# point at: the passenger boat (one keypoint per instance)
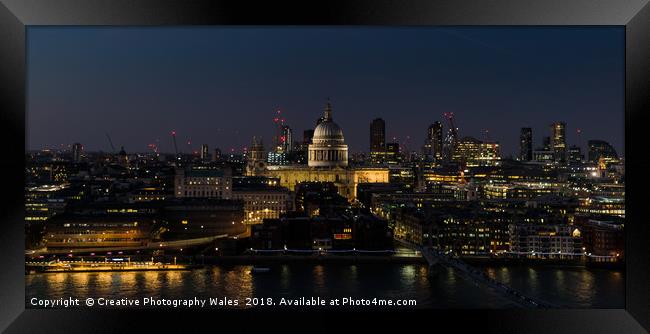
(260, 270)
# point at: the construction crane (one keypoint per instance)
(451, 140)
(110, 142)
(279, 125)
(452, 127)
(153, 147)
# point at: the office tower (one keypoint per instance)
(575, 154)
(286, 139)
(472, 152)
(76, 152)
(601, 149)
(204, 152)
(545, 153)
(434, 140)
(558, 141)
(526, 144)
(392, 155)
(216, 156)
(377, 140)
(377, 135)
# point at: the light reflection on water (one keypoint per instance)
(442, 288)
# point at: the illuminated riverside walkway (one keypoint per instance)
(154, 245)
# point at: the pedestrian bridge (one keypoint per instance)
(478, 276)
(435, 257)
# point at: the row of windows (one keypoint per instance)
(80, 232)
(260, 197)
(203, 193)
(327, 155)
(76, 240)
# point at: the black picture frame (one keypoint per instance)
(16, 15)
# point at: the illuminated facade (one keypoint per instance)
(148, 194)
(327, 162)
(558, 141)
(392, 154)
(263, 202)
(605, 206)
(516, 191)
(203, 183)
(602, 150)
(540, 240)
(345, 179)
(473, 152)
(286, 139)
(96, 234)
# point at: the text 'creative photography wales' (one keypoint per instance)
(325, 167)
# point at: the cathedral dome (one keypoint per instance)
(326, 131)
(328, 147)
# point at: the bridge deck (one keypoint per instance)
(434, 257)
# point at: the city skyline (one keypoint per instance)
(572, 75)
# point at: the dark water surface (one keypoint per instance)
(571, 287)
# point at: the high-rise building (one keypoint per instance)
(575, 154)
(601, 149)
(377, 140)
(472, 152)
(558, 141)
(77, 148)
(435, 137)
(377, 135)
(393, 156)
(432, 149)
(526, 144)
(544, 154)
(286, 139)
(216, 156)
(205, 154)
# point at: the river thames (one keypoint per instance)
(567, 287)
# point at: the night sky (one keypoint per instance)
(222, 85)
